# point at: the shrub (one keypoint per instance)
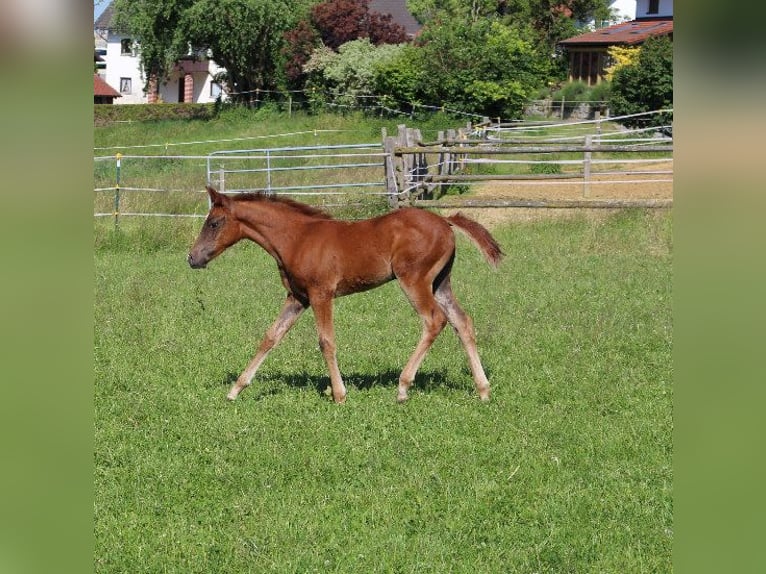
(646, 85)
(572, 92)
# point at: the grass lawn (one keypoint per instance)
(567, 469)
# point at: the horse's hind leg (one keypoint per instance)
(463, 324)
(421, 296)
(291, 310)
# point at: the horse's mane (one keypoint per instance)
(302, 208)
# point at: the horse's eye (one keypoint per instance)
(214, 223)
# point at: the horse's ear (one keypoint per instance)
(215, 197)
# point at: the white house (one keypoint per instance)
(623, 9)
(191, 80)
(654, 9)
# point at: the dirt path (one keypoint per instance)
(565, 189)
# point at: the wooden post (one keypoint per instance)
(440, 138)
(406, 163)
(389, 143)
(562, 107)
(586, 166)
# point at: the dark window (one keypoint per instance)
(654, 7)
(126, 46)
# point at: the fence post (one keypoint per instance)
(586, 166)
(390, 172)
(450, 160)
(118, 157)
(406, 163)
(597, 116)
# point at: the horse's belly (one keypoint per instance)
(365, 274)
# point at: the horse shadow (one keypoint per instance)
(428, 381)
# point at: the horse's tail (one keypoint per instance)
(480, 237)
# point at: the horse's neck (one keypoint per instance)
(271, 225)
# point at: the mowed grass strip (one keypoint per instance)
(567, 469)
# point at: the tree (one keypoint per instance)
(300, 42)
(486, 67)
(246, 38)
(620, 56)
(553, 20)
(348, 76)
(646, 85)
(153, 24)
(340, 21)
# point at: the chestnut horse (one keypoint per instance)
(320, 258)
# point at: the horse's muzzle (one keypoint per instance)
(193, 263)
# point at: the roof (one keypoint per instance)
(629, 33)
(101, 88)
(104, 21)
(397, 9)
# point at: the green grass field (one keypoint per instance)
(567, 469)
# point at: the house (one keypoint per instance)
(191, 80)
(103, 93)
(623, 9)
(399, 13)
(587, 52)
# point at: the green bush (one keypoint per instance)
(646, 85)
(572, 92)
(600, 92)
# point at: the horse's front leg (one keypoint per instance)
(291, 310)
(323, 314)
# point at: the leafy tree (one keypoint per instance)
(340, 21)
(154, 25)
(246, 38)
(398, 79)
(620, 56)
(484, 67)
(426, 11)
(300, 42)
(348, 76)
(646, 85)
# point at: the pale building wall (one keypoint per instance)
(121, 66)
(665, 9)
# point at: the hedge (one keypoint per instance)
(104, 114)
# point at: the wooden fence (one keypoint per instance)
(418, 173)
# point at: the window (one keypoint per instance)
(126, 86)
(654, 7)
(215, 89)
(126, 47)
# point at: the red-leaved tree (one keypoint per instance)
(340, 21)
(299, 43)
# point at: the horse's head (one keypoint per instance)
(220, 230)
